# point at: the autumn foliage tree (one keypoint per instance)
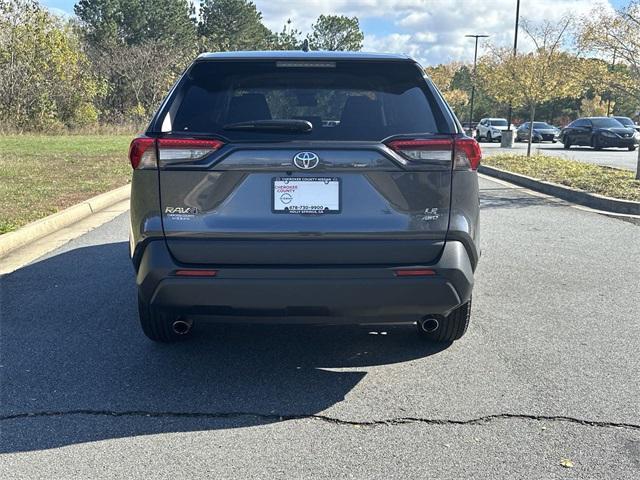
(529, 79)
(617, 35)
(443, 76)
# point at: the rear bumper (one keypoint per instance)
(306, 294)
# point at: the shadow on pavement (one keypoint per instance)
(71, 341)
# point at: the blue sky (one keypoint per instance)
(433, 31)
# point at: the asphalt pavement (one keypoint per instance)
(546, 375)
(609, 157)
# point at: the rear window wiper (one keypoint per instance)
(292, 125)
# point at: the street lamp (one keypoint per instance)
(515, 51)
(473, 83)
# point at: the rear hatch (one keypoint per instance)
(305, 163)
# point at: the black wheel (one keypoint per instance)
(161, 327)
(566, 143)
(594, 143)
(632, 148)
(449, 328)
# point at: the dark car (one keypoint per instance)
(598, 133)
(304, 187)
(627, 122)
(542, 132)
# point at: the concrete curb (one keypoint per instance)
(45, 226)
(591, 200)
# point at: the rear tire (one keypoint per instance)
(452, 327)
(157, 326)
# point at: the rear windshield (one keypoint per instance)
(342, 100)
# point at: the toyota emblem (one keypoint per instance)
(306, 160)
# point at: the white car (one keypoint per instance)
(490, 129)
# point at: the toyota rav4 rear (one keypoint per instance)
(304, 187)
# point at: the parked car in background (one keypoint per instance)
(598, 133)
(292, 187)
(490, 129)
(627, 122)
(542, 132)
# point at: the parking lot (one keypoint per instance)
(609, 157)
(546, 374)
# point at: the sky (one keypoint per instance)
(431, 31)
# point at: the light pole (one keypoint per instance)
(515, 51)
(473, 82)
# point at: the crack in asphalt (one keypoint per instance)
(336, 421)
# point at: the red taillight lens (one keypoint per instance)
(195, 273)
(467, 154)
(142, 153)
(423, 152)
(414, 272)
(438, 151)
(177, 150)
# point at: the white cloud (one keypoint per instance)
(432, 31)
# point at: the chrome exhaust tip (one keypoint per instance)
(429, 324)
(182, 326)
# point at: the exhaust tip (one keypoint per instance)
(429, 324)
(182, 326)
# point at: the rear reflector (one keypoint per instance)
(142, 152)
(414, 272)
(195, 273)
(437, 151)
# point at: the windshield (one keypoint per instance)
(541, 125)
(498, 123)
(606, 123)
(627, 122)
(342, 101)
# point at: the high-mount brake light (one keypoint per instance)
(142, 152)
(466, 151)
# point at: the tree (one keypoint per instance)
(139, 47)
(593, 107)
(288, 39)
(617, 35)
(529, 79)
(443, 76)
(232, 25)
(336, 33)
(45, 78)
(132, 22)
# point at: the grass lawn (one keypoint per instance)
(41, 174)
(605, 181)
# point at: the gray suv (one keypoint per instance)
(304, 187)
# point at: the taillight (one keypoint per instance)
(424, 152)
(467, 154)
(439, 151)
(142, 152)
(177, 150)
